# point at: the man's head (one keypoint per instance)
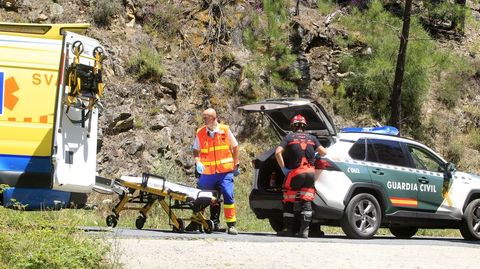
(298, 122)
(209, 117)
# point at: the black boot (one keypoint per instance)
(288, 224)
(215, 217)
(306, 218)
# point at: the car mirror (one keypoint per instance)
(451, 167)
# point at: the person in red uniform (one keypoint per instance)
(296, 156)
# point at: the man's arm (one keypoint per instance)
(321, 150)
(234, 148)
(196, 155)
(279, 156)
(236, 161)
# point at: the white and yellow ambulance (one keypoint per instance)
(50, 83)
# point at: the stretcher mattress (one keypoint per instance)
(161, 184)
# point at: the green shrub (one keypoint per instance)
(147, 64)
(445, 11)
(159, 17)
(473, 138)
(454, 151)
(326, 6)
(104, 10)
(43, 240)
(455, 80)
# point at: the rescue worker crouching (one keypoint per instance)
(216, 160)
(296, 156)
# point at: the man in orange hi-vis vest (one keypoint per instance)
(216, 160)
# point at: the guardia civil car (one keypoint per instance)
(372, 178)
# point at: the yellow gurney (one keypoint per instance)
(151, 188)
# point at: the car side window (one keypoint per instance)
(389, 152)
(357, 151)
(424, 160)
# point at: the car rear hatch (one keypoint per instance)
(280, 111)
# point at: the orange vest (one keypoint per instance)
(215, 153)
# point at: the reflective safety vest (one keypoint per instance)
(215, 153)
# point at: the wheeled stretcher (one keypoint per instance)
(150, 188)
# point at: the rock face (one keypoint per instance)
(147, 124)
(150, 124)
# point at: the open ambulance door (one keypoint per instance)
(76, 114)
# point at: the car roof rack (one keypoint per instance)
(387, 130)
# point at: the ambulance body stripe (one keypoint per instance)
(19, 163)
(41, 119)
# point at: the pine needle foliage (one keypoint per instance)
(268, 38)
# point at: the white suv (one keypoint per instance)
(373, 180)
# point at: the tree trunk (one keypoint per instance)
(396, 97)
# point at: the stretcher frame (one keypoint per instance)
(141, 193)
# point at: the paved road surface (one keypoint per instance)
(163, 249)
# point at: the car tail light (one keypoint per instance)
(325, 164)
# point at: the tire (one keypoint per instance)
(362, 217)
(112, 221)
(181, 229)
(140, 222)
(403, 232)
(208, 229)
(276, 224)
(470, 228)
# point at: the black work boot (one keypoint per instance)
(306, 218)
(215, 217)
(288, 224)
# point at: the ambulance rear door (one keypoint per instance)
(75, 134)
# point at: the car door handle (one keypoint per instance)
(423, 180)
(378, 172)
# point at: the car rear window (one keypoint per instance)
(389, 152)
(283, 116)
(357, 151)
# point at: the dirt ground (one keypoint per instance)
(206, 253)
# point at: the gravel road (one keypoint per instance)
(321, 253)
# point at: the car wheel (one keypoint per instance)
(470, 228)
(362, 217)
(276, 223)
(403, 232)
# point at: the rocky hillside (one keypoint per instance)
(196, 58)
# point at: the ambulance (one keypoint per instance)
(50, 86)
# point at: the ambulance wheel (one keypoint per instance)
(403, 232)
(181, 228)
(112, 221)
(470, 228)
(208, 229)
(140, 221)
(362, 217)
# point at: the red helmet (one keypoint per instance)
(298, 120)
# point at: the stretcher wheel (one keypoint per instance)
(182, 227)
(208, 229)
(140, 221)
(112, 221)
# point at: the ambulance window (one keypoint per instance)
(357, 151)
(389, 152)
